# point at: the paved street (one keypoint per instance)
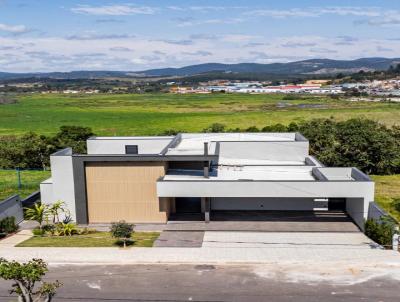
(220, 283)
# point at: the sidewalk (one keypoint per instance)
(219, 248)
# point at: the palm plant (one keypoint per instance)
(55, 209)
(38, 213)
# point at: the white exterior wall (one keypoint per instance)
(46, 191)
(63, 182)
(357, 208)
(273, 151)
(267, 204)
(110, 145)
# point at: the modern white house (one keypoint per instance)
(147, 179)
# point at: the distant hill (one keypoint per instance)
(314, 66)
(307, 67)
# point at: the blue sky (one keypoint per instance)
(52, 35)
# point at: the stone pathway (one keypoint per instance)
(16, 238)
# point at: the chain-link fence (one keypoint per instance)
(19, 181)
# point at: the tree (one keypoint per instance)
(39, 212)
(74, 137)
(122, 231)
(25, 276)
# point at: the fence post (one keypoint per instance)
(19, 178)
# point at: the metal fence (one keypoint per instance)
(21, 181)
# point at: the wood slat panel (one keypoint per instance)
(125, 191)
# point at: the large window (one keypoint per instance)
(131, 149)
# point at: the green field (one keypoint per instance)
(387, 189)
(149, 114)
(98, 239)
(30, 181)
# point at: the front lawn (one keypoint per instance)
(387, 189)
(98, 239)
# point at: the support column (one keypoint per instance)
(207, 210)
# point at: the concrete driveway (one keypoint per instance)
(279, 240)
(265, 221)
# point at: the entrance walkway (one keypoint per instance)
(264, 221)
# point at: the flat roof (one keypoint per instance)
(129, 137)
(246, 173)
(193, 143)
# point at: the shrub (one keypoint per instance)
(215, 128)
(38, 232)
(122, 231)
(8, 225)
(381, 231)
(65, 229)
(396, 204)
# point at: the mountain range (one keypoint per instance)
(306, 67)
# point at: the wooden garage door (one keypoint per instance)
(125, 191)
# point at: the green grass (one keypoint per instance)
(387, 188)
(149, 114)
(30, 181)
(98, 239)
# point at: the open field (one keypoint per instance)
(98, 239)
(149, 114)
(30, 181)
(387, 189)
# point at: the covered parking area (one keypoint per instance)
(278, 205)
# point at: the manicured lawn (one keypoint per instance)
(30, 181)
(387, 188)
(151, 114)
(98, 239)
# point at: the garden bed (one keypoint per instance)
(97, 239)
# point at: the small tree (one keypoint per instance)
(38, 213)
(56, 209)
(121, 230)
(25, 276)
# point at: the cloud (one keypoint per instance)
(121, 49)
(87, 37)
(383, 49)
(316, 12)
(201, 53)
(178, 42)
(190, 21)
(238, 38)
(203, 37)
(113, 10)
(323, 50)
(255, 44)
(203, 9)
(258, 55)
(293, 44)
(15, 29)
(109, 21)
(388, 19)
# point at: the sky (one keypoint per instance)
(53, 35)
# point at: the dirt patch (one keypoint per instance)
(5, 100)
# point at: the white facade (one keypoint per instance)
(248, 171)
